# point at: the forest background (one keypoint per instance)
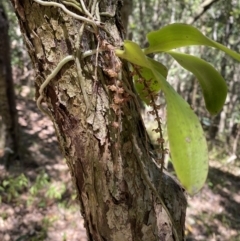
(25, 214)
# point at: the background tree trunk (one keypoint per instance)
(8, 112)
(125, 13)
(101, 134)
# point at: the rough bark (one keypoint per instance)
(8, 110)
(106, 152)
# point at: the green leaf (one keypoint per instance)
(188, 145)
(149, 79)
(187, 142)
(179, 35)
(152, 83)
(162, 70)
(213, 85)
(133, 53)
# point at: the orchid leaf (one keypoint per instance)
(188, 145)
(180, 35)
(133, 53)
(153, 84)
(147, 78)
(213, 85)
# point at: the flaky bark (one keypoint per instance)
(8, 110)
(100, 131)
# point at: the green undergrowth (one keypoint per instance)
(12, 188)
(40, 191)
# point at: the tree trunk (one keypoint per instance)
(121, 191)
(8, 110)
(125, 13)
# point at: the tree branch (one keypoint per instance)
(201, 10)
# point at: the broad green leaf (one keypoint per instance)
(188, 145)
(150, 80)
(179, 35)
(133, 53)
(152, 83)
(213, 85)
(162, 70)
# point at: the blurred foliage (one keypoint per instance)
(41, 191)
(12, 187)
(36, 191)
(21, 64)
(15, 35)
